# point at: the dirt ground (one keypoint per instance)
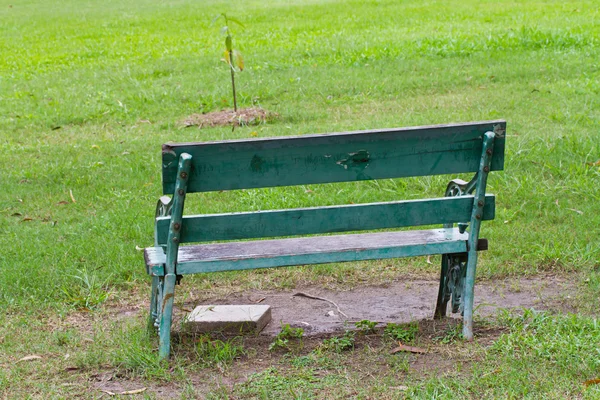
(398, 302)
(244, 116)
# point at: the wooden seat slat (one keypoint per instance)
(311, 250)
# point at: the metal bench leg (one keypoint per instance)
(168, 292)
(153, 304)
(478, 204)
(443, 292)
(469, 294)
(164, 329)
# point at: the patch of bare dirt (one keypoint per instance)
(111, 385)
(244, 116)
(398, 302)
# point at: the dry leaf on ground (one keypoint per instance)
(127, 392)
(136, 391)
(409, 349)
(30, 358)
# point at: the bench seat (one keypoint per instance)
(308, 250)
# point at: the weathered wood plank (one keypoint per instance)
(312, 250)
(339, 157)
(306, 221)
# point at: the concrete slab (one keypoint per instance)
(228, 318)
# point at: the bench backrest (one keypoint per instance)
(337, 157)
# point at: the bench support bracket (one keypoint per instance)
(452, 281)
(457, 278)
(478, 203)
(163, 209)
(163, 287)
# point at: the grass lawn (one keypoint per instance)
(89, 91)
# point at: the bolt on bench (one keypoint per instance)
(312, 159)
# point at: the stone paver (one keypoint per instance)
(228, 318)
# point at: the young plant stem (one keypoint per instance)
(233, 80)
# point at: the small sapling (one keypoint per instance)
(231, 56)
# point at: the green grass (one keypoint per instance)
(282, 339)
(540, 356)
(89, 91)
(543, 356)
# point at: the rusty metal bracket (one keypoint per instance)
(456, 188)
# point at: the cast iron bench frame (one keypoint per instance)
(313, 159)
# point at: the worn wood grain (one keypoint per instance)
(311, 250)
(339, 157)
(316, 220)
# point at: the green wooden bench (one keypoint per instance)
(312, 159)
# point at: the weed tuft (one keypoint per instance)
(64, 338)
(282, 340)
(133, 352)
(451, 335)
(217, 353)
(365, 326)
(87, 292)
(339, 343)
(404, 333)
(302, 361)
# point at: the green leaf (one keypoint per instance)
(236, 22)
(228, 43)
